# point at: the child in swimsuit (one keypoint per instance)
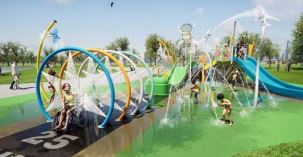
(226, 115)
(234, 78)
(195, 91)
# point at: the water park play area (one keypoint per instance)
(196, 102)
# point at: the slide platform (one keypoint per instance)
(273, 84)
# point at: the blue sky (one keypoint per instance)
(92, 23)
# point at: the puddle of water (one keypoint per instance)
(19, 112)
(195, 132)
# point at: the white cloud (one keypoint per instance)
(282, 9)
(199, 11)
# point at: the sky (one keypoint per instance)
(93, 23)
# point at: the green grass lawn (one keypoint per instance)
(294, 76)
(29, 75)
(284, 149)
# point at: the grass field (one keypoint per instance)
(284, 149)
(294, 76)
(29, 75)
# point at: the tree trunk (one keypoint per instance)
(7, 63)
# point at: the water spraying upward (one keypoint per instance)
(262, 16)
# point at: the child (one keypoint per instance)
(227, 108)
(51, 88)
(69, 104)
(234, 78)
(195, 91)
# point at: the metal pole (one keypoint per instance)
(233, 47)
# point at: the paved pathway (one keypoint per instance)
(25, 89)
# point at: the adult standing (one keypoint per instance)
(15, 74)
(278, 65)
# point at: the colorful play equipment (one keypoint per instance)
(39, 74)
(181, 67)
(121, 68)
(102, 66)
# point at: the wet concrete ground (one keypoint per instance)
(36, 138)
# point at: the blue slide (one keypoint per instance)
(272, 84)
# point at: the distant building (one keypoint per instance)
(285, 55)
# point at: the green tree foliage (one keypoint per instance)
(61, 59)
(268, 49)
(30, 57)
(152, 45)
(297, 43)
(135, 52)
(225, 40)
(246, 38)
(14, 51)
(47, 51)
(121, 44)
(22, 55)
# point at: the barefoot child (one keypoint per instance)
(234, 78)
(227, 108)
(69, 104)
(195, 91)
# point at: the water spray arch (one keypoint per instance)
(119, 53)
(122, 69)
(95, 58)
(149, 74)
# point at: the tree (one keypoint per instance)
(47, 51)
(297, 42)
(122, 43)
(269, 50)
(225, 40)
(135, 52)
(14, 48)
(30, 56)
(152, 45)
(22, 55)
(249, 38)
(10, 51)
(246, 38)
(112, 46)
(61, 59)
(1, 57)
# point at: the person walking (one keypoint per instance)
(15, 73)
